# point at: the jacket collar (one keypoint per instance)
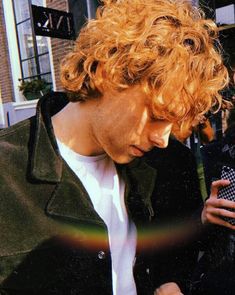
(140, 180)
(47, 165)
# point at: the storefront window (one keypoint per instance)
(42, 44)
(33, 50)
(21, 10)
(29, 67)
(24, 31)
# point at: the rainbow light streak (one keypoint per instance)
(92, 238)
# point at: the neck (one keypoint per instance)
(72, 126)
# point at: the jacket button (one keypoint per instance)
(101, 255)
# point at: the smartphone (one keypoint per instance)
(228, 192)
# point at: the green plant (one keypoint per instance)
(34, 88)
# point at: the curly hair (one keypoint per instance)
(166, 46)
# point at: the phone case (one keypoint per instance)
(228, 192)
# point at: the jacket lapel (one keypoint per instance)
(45, 161)
(69, 199)
(140, 179)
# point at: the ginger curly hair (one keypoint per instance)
(166, 46)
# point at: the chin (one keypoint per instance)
(123, 159)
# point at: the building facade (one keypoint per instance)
(26, 56)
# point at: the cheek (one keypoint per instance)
(141, 123)
(121, 136)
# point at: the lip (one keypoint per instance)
(136, 151)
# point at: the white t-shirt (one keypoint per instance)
(106, 190)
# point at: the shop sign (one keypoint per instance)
(53, 23)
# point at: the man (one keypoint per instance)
(75, 193)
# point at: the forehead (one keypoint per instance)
(133, 95)
(138, 97)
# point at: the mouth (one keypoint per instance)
(137, 151)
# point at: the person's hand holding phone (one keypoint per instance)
(216, 209)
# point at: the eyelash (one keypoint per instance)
(154, 119)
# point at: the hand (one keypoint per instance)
(168, 289)
(214, 209)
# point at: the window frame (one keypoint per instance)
(36, 54)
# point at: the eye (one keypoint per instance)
(156, 118)
(152, 118)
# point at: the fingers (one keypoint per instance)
(217, 220)
(223, 213)
(215, 209)
(215, 186)
(168, 289)
(219, 203)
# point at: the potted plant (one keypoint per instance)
(35, 88)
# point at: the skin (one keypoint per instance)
(214, 208)
(170, 288)
(120, 124)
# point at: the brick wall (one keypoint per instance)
(6, 87)
(60, 47)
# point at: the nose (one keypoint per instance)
(159, 136)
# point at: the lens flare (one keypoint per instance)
(148, 238)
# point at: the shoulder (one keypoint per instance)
(14, 140)
(9, 132)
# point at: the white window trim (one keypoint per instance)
(13, 49)
(14, 54)
(51, 57)
(28, 104)
(2, 119)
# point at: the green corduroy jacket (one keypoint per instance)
(52, 241)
